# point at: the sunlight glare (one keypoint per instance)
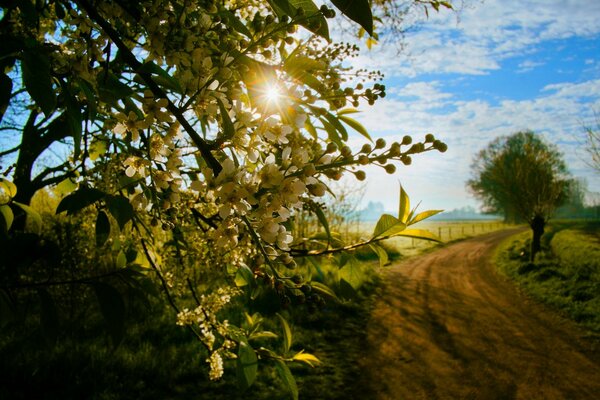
(273, 94)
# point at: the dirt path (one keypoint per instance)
(449, 327)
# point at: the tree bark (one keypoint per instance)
(537, 226)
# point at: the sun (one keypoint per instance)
(273, 94)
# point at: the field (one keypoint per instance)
(565, 275)
(447, 231)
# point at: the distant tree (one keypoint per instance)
(522, 177)
(592, 144)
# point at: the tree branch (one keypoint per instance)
(136, 65)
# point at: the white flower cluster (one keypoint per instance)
(204, 317)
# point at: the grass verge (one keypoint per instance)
(565, 275)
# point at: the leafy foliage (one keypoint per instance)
(523, 177)
(200, 130)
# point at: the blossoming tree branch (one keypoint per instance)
(196, 131)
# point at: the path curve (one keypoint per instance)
(447, 326)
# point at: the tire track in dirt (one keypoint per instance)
(447, 326)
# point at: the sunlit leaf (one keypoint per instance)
(8, 216)
(287, 333)
(381, 254)
(388, 225)
(404, 208)
(419, 234)
(244, 276)
(8, 187)
(247, 365)
(423, 215)
(233, 21)
(121, 261)
(286, 376)
(332, 133)
(333, 120)
(262, 335)
(112, 308)
(34, 219)
(346, 111)
(310, 128)
(357, 126)
(307, 358)
(352, 273)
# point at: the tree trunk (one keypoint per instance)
(537, 226)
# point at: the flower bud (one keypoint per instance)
(331, 147)
(360, 175)
(366, 149)
(380, 143)
(390, 168)
(363, 159)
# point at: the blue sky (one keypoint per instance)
(491, 69)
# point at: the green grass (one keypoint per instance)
(565, 275)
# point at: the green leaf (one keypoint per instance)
(332, 133)
(333, 120)
(162, 77)
(235, 23)
(288, 379)
(323, 220)
(111, 89)
(247, 365)
(120, 208)
(313, 20)
(419, 234)
(323, 289)
(112, 308)
(5, 92)
(263, 335)
(424, 215)
(307, 358)
(8, 216)
(121, 261)
(381, 254)
(48, 315)
(345, 111)
(244, 276)
(388, 225)
(358, 11)
(90, 97)
(287, 333)
(33, 217)
(310, 128)
(79, 199)
(9, 188)
(35, 67)
(404, 208)
(352, 273)
(102, 228)
(228, 127)
(74, 120)
(357, 126)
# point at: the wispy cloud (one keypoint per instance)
(558, 113)
(484, 34)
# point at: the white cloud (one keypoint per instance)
(558, 113)
(485, 34)
(528, 65)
